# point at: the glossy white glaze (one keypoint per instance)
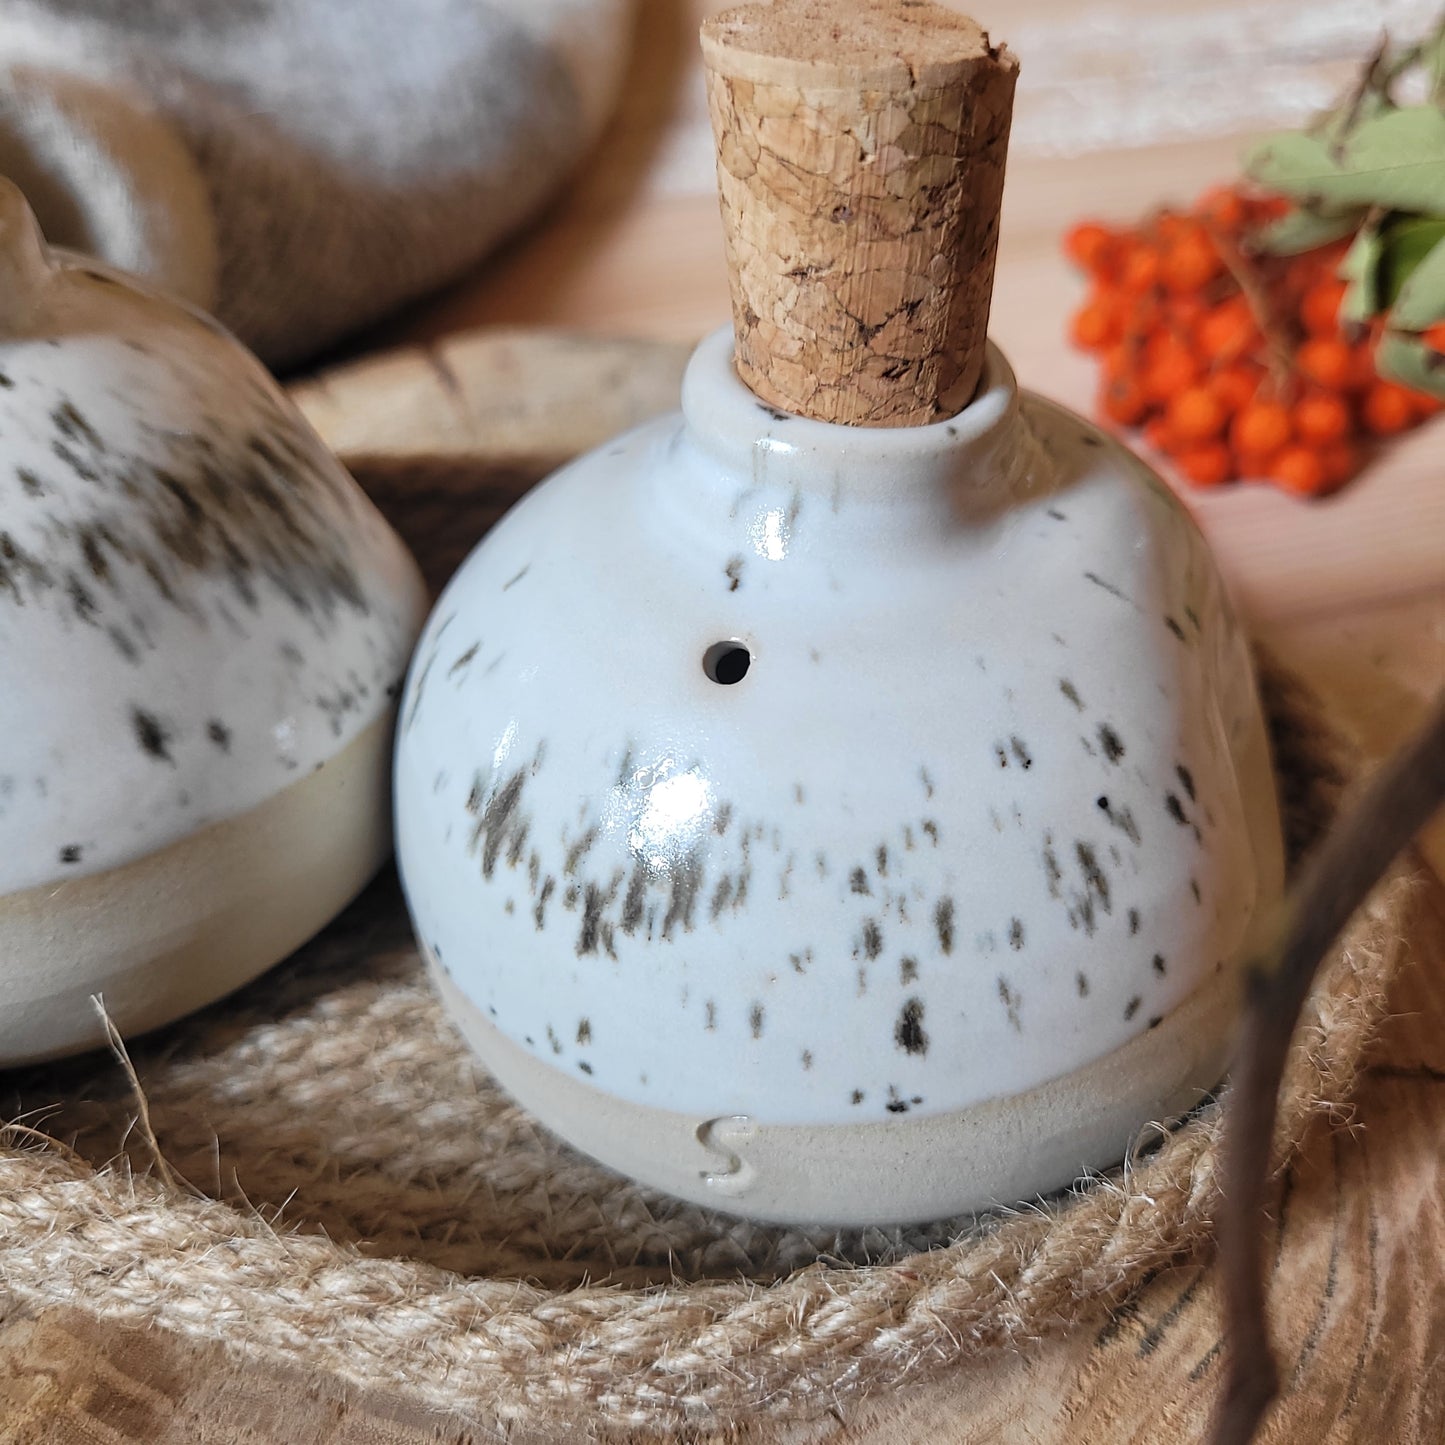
(992, 799)
(198, 607)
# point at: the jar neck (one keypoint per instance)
(980, 460)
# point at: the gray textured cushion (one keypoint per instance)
(299, 167)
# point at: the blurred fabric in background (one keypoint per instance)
(300, 167)
(1107, 74)
(304, 167)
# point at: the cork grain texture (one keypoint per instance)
(861, 153)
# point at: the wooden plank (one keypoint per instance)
(503, 396)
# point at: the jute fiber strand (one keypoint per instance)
(322, 1176)
(861, 154)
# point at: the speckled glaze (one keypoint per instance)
(198, 609)
(992, 801)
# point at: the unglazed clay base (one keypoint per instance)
(180, 927)
(903, 1171)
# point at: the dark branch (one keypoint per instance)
(1399, 801)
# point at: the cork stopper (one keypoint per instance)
(861, 148)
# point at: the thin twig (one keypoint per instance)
(118, 1048)
(1399, 801)
(46, 1141)
(1360, 90)
(1281, 364)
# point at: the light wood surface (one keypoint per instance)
(1351, 592)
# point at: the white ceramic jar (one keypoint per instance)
(203, 629)
(836, 824)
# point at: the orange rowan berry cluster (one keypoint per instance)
(1233, 363)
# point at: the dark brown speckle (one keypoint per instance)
(1111, 743)
(1095, 880)
(908, 1032)
(1108, 587)
(943, 923)
(1010, 1000)
(153, 737)
(462, 662)
(1052, 871)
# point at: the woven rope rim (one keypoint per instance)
(137, 1247)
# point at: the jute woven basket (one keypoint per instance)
(315, 1171)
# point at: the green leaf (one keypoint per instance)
(1336, 125)
(1298, 165)
(1419, 298)
(1303, 229)
(1363, 257)
(1409, 361)
(1433, 55)
(1361, 268)
(1397, 161)
(1394, 160)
